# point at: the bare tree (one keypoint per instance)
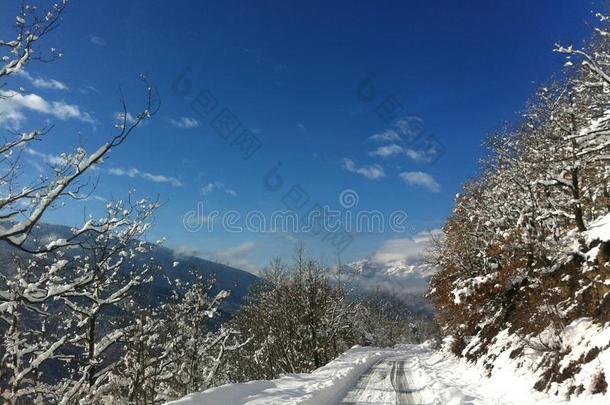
(47, 273)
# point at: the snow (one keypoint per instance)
(472, 284)
(576, 341)
(325, 385)
(599, 229)
(370, 375)
(582, 336)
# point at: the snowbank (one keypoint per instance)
(442, 378)
(325, 385)
(578, 341)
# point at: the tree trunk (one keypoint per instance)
(578, 215)
(91, 354)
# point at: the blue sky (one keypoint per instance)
(292, 74)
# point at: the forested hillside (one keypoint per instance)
(525, 272)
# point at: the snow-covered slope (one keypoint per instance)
(585, 353)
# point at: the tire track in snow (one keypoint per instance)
(369, 387)
(387, 382)
(404, 384)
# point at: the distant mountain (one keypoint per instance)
(227, 278)
(405, 279)
(417, 274)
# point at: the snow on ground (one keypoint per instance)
(325, 385)
(404, 375)
(599, 229)
(577, 341)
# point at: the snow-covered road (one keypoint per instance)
(388, 381)
(408, 374)
(393, 380)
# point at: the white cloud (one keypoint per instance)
(53, 160)
(64, 111)
(88, 90)
(371, 172)
(99, 41)
(404, 129)
(389, 135)
(417, 155)
(12, 117)
(43, 83)
(421, 179)
(13, 104)
(403, 133)
(49, 84)
(184, 122)
(387, 150)
(156, 178)
(408, 250)
(217, 186)
(237, 256)
(208, 189)
(238, 250)
(410, 127)
(301, 127)
(184, 251)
